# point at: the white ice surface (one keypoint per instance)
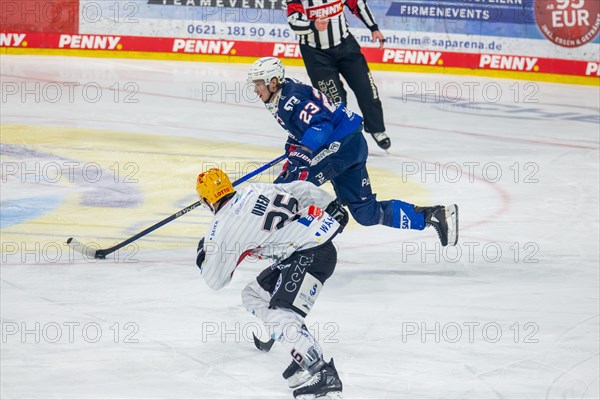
(401, 318)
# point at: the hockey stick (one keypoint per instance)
(263, 346)
(102, 253)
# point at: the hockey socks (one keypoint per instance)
(401, 215)
(304, 349)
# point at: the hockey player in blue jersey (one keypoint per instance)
(325, 143)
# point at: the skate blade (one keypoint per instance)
(330, 395)
(452, 221)
(294, 382)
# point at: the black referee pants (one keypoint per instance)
(324, 68)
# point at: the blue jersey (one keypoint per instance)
(310, 118)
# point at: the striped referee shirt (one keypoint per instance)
(303, 13)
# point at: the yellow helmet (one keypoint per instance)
(212, 186)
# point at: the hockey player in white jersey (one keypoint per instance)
(292, 224)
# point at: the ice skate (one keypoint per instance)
(295, 375)
(382, 140)
(444, 220)
(325, 383)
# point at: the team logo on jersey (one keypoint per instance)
(289, 105)
(306, 221)
(328, 10)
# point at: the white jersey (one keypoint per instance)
(268, 221)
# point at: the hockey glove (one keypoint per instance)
(284, 170)
(299, 162)
(296, 168)
(290, 147)
(338, 212)
(283, 175)
(201, 254)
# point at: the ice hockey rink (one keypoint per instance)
(100, 149)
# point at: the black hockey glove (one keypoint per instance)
(201, 254)
(337, 211)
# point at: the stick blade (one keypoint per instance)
(263, 346)
(79, 247)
